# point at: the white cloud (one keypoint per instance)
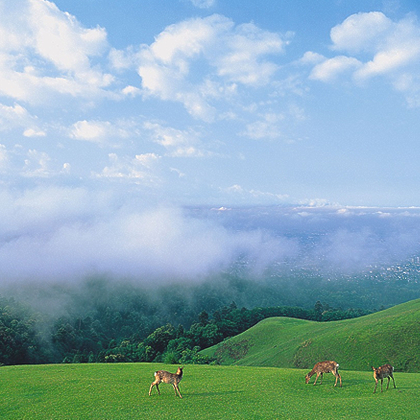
(409, 85)
(392, 59)
(101, 131)
(361, 32)
(333, 67)
(66, 168)
(225, 54)
(242, 60)
(4, 158)
(203, 4)
(18, 164)
(143, 168)
(44, 51)
(94, 131)
(178, 143)
(30, 132)
(37, 164)
(131, 91)
(41, 208)
(273, 124)
(268, 127)
(18, 117)
(60, 39)
(238, 193)
(69, 233)
(376, 46)
(47, 225)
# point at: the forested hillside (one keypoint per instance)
(106, 323)
(103, 320)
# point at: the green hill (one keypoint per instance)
(389, 336)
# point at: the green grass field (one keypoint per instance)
(389, 336)
(264, 387)
(120, 391)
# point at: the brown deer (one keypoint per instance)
(385, 371)
(169, 378)
(324, 367)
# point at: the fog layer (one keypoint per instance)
(68, 233)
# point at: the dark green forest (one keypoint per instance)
(102, 320)
(111, 334)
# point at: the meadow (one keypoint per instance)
(389, 336)
(263, 377)
(120, 391)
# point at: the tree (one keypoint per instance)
(160, 338)
(203, 318)
(318, 309)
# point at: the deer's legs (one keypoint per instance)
(151, 387)
(337, 377)
(177, 390)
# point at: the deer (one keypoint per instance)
(168, 378)
(324, 367)
(385, 371)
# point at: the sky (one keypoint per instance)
(116, 115)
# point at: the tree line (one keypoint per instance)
(132, 332)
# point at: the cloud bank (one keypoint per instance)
(67, 234)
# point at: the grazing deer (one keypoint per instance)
(385, 371)
(324, 367)
(169, 378)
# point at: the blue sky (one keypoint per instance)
(213, 102)
(108, 107)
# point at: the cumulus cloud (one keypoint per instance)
(30, 132)
(17, 116)
(166, 67)
(143, 168)
(37, 164)
(361, 32)
(387, 61)
(178, 143)
(101, 132)
(18, 163)
(331, 68)
(375, 46)
(44, 50)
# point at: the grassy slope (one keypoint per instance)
(120, 391)
(390, 336)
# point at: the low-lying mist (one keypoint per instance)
(54, 239)
(66, 234)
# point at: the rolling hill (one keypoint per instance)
(389, 336)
